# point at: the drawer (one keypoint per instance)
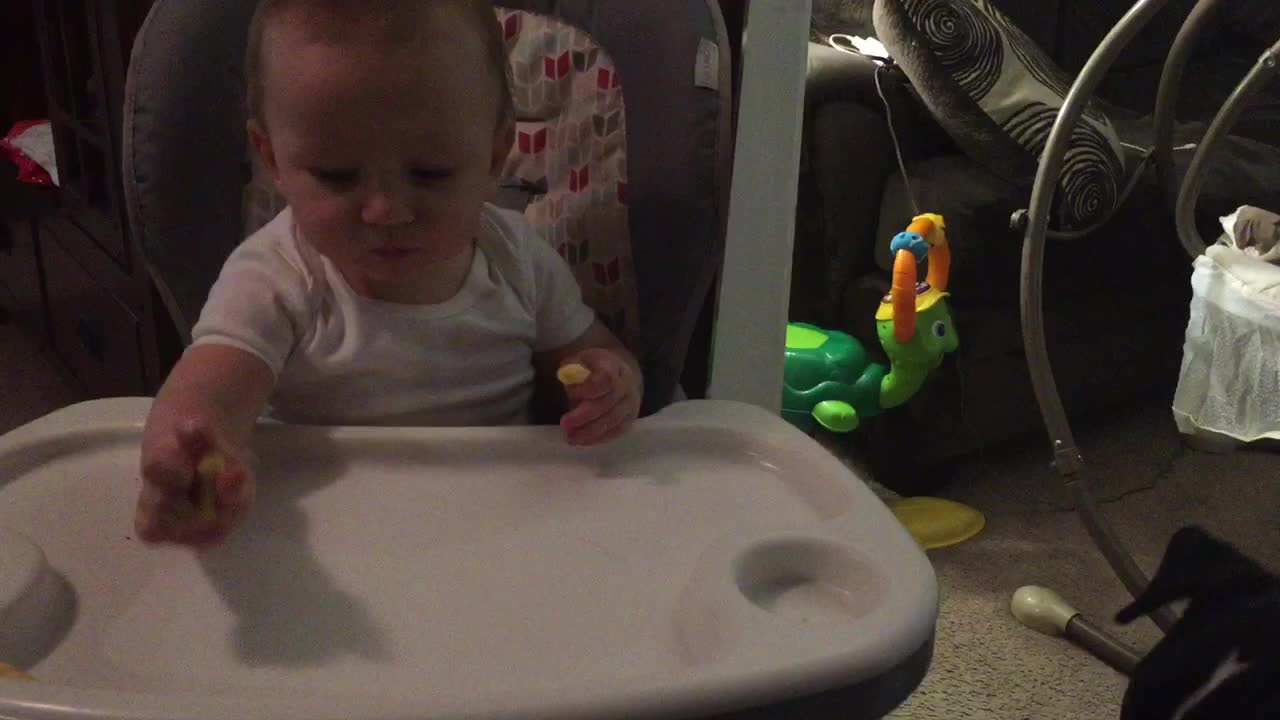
(23, 293)
(88, 199)
(85, 246)
(96, 335)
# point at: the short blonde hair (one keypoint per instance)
(400, 20)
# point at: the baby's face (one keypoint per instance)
(384, 153)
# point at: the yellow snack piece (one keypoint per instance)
(207, 472)
(572, 374)
(9, 671)
(211, 466)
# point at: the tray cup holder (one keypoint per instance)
(808, 580)
(37, 605)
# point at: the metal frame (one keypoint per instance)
(1066, 456)
(1259, 75)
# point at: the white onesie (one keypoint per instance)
(340, 358)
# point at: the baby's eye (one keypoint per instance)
(339, 178)
(430, 176)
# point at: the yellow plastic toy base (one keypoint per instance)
(936, 522)
(9, 671)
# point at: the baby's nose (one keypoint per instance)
(383, 208)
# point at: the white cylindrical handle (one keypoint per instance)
(1041, 609)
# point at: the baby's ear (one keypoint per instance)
(261, 143)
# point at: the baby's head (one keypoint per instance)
(384, 123)
(393, 22)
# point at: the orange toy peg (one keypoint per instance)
(904, 296)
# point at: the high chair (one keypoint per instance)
(714, 562)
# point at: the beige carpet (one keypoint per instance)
(987, 665)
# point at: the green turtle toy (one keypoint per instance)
(830, 381)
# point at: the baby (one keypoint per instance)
(389, 291)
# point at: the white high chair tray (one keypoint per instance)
(714, 559)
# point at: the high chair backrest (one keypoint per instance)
(621, 158)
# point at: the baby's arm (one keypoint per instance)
(601, 407)
(604, 406)
(208, 404)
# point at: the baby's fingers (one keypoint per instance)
(188, 527)
(192, 502)
(600, 421)
(163, 501)
(195, 440)
(597, 387)
(159, 514)
(235, 495)
(585, 411)
(222, 498)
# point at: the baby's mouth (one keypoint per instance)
(394, 252)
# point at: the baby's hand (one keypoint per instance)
(176, 503)
(602, 406)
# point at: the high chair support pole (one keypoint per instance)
(749, 336)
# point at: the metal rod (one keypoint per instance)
(1193, 183)
(1066, 455)
(1038, 223)
(1107, 648)
(1166, 113)
(1109, 544)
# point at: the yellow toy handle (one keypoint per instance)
(932, 228)
(939, 266)
(921, 225)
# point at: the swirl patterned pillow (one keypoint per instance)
(997, 94)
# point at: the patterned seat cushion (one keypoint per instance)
(571, 149)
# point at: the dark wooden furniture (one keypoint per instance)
(23, 98)
(99, 308)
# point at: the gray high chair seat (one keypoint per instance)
(186, 164)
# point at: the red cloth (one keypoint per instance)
(28, 170)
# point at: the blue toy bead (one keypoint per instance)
(910, 241)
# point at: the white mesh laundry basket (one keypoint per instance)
(1230, 380)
